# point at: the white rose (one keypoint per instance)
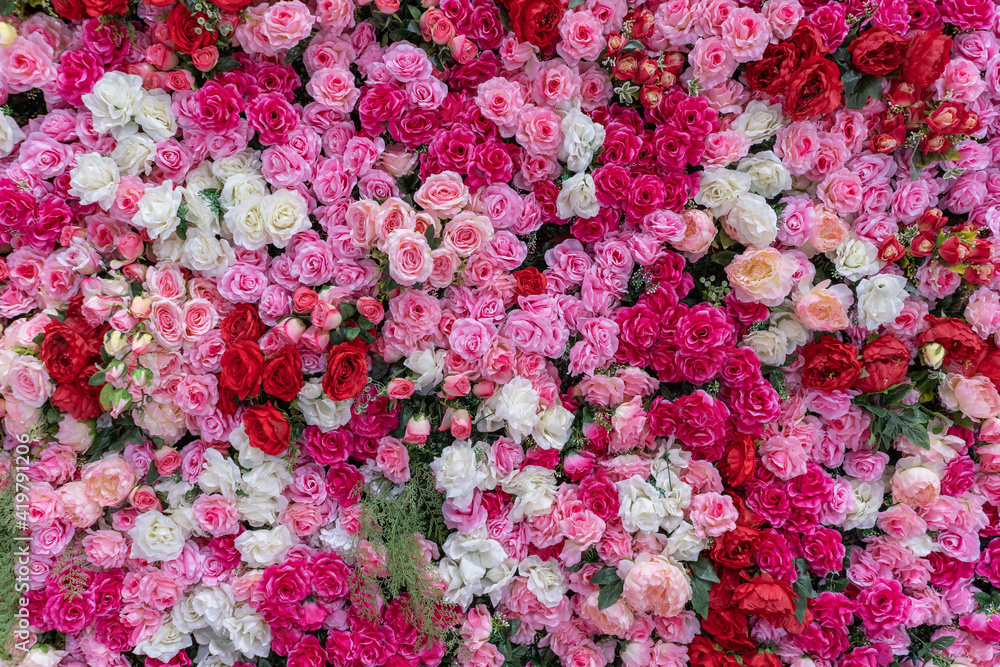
(94, 180)
(683, 544)
(868, 497)
(76, 434)
(201, 178)
(880, 299)
(719, 188)
(581, 139)
(319, 410)
(534, 491)
(676, 497)
(240, 187)
(206, 253)
(42, 656)
(470, 559)
(219, 474)
(245, 162)
(335, 538)
(114, 100)
(769, 345)
(158, 210)
(768, 176)
(260, 548)
(428, 369)
(214, 604)
(245, 223)
(752, 221)
(795, 333)
(457, 473)
(165, 643)
(578, 197)
(260, 510)
(10, 135)
(249, 633)
(285, 214)
(518, 407)
(553, 428)
(270, 478)
(156, 537)
(642, 506)
(154, 116)
(200, 213)
(545, 580)
(497, 578)
(856, 258)
(169, 249)
(174, 491)
(759, 121)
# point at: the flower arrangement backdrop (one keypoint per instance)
(491, 333)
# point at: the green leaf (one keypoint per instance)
(702, 569)
(97, 379)
(105, 397)
(226, 63)
(865, 87)
(803, 589)
(700, 594)
(573, 4)
(515, 625)
(609, 594)
(605, 576)
(414, 12)
(941, 643)
(724, 258)
(351, 332)
(152, 474)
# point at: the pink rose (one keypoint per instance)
(393, 460)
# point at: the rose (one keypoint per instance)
(242, 366)
(926, 58)
(530, 281)
(886, 359)
(97, 8)
(186, 32)
(69, 9)
(283, 374)
(878, 52)
(964, 349)
(243, 323)
(63, 351)
(536, 21)
(769, 598)
(830, 365)
(346, 371)
(267, 429)
(815, 89)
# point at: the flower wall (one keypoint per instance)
(490, 333)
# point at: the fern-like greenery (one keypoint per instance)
(390, 526)
(9, 596)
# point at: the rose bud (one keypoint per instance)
(884, 143)
(205, 58)
(650, 95)
(578, 465)
(325, 316)
(162, 57)
(484, 389)
(647, 72)
(626, 66)
(387, 6)
(91, 286)
(180, 79)
(290, 330)
(142, 377)
(143, 498)
(98, 307)
(932, 219)
(462, 49)
(123, 321)
(933, 354)
(902, 94)
(979, 274)
(461, 425)
(456, 385)
(616, 42)
(140, 307)
(141, 343)
(120, 401)
(399, 389)
(642, 23)
(304, 299)
(154, 81)
(969, 125)
(141, 70)
(371, 309)
(417, 430)
(8, 34)
(944, 119)
(936, 143)
(315, 339)
(923, 244)
(954, 250)
(135, 273)
(981, 252)
(891, 250)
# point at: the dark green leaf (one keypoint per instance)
(941, 643)
(97, 379)
(700, 592)
(351, 332)
(152, 474)
(702, 569)
(515, 625)
(724, 258)
(867, 86)
(573, 4)
(414, 12)
(609, 594)
(605, 576)
(226, 63)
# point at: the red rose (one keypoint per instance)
(886, 359)
(926, 58)
(242, 366)
(242, 324)
(772, 72)
(703, 653)
(729, 629)
(808, 41)
(878, 52)
(990, 367)
(283, 374)
(231, 6)
(267, 429)
(737, 548)
(536, 21)
(964, 349)
(72, 10)
(760, 659)
(97, 8)
(64, 352)
(766, 597)
(530, 281)
(738, 462)
(815, 89)
(187, 34)
(346, 371)
(79, 398)
(830, 365)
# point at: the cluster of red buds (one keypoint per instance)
(914, 123)
(642, 76)
(958, 247)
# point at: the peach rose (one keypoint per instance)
(976, 397)
(656, 585)
(108, 481)
(762, 276)
(824, 308)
